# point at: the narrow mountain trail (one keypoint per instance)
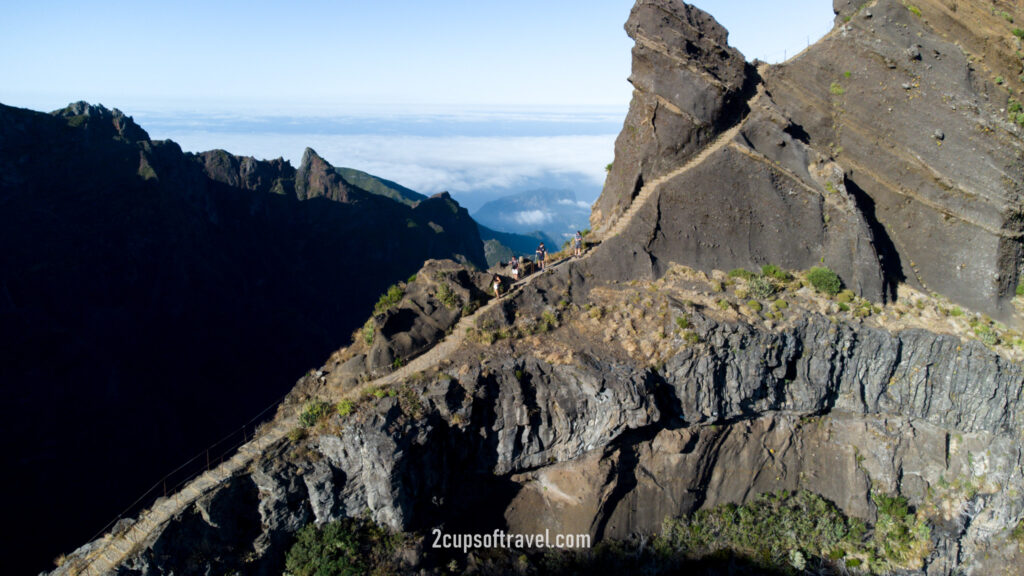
(443, 349)
(112, 549)
(649, 188)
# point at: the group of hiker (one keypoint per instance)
(517, 265)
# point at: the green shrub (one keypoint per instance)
(389, 299)
(773, 271)
(367, 331)
(411, 279)
(691, 337)
(1018, 33)
(313, 412)
(956, 311)
(548, 321)
(683, 322)
(761, 287)
(780, 304)
(1020, 290)
(784, 529)
(383, 392)
(769, 527)
(845, 297)
(836, 89)
(901, 539)
(824, 280)
(345, 407)
(741, 273)
(446, 296)
(755, 306)
(914, 10)
(986, 335)
(723, 304)
(348, 547)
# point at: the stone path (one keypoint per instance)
(443, 349)
(649, 188)
(111, 550)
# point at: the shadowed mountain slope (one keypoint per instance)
(152, 301)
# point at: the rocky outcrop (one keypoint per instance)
(836, 163)
(98, 121)
(248, 173)
(689, 85)
(410, 319)
(606, 447)
(917, 123)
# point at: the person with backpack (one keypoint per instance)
(542, 256)
(577, 244)
(515, 268)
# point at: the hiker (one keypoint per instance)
(497, 285)
(577, 244)
(515, 268)
(542, 256)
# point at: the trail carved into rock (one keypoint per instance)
(649, 188)
(113, 549)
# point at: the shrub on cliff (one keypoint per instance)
(348, 547)
(761, 287)
(313, 412)
(769, 528)
(824, 280)
(389, 299)
(773, 271)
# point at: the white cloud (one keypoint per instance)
(427, 164)
(577, 203)
(531, 217)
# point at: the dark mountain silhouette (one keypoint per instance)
(152, 301)
(498, 246)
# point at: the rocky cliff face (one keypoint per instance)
(689, 84)
(606, 428)
(642, 382)
(131, 269)
(884, 151)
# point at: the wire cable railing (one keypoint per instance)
(176, 479)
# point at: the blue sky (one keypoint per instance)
(343, 56)
(479, 98)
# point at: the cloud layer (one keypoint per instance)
(430, 154)
(430, 164)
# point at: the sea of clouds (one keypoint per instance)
(476, 157)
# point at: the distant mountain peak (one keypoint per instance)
(99, 117)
